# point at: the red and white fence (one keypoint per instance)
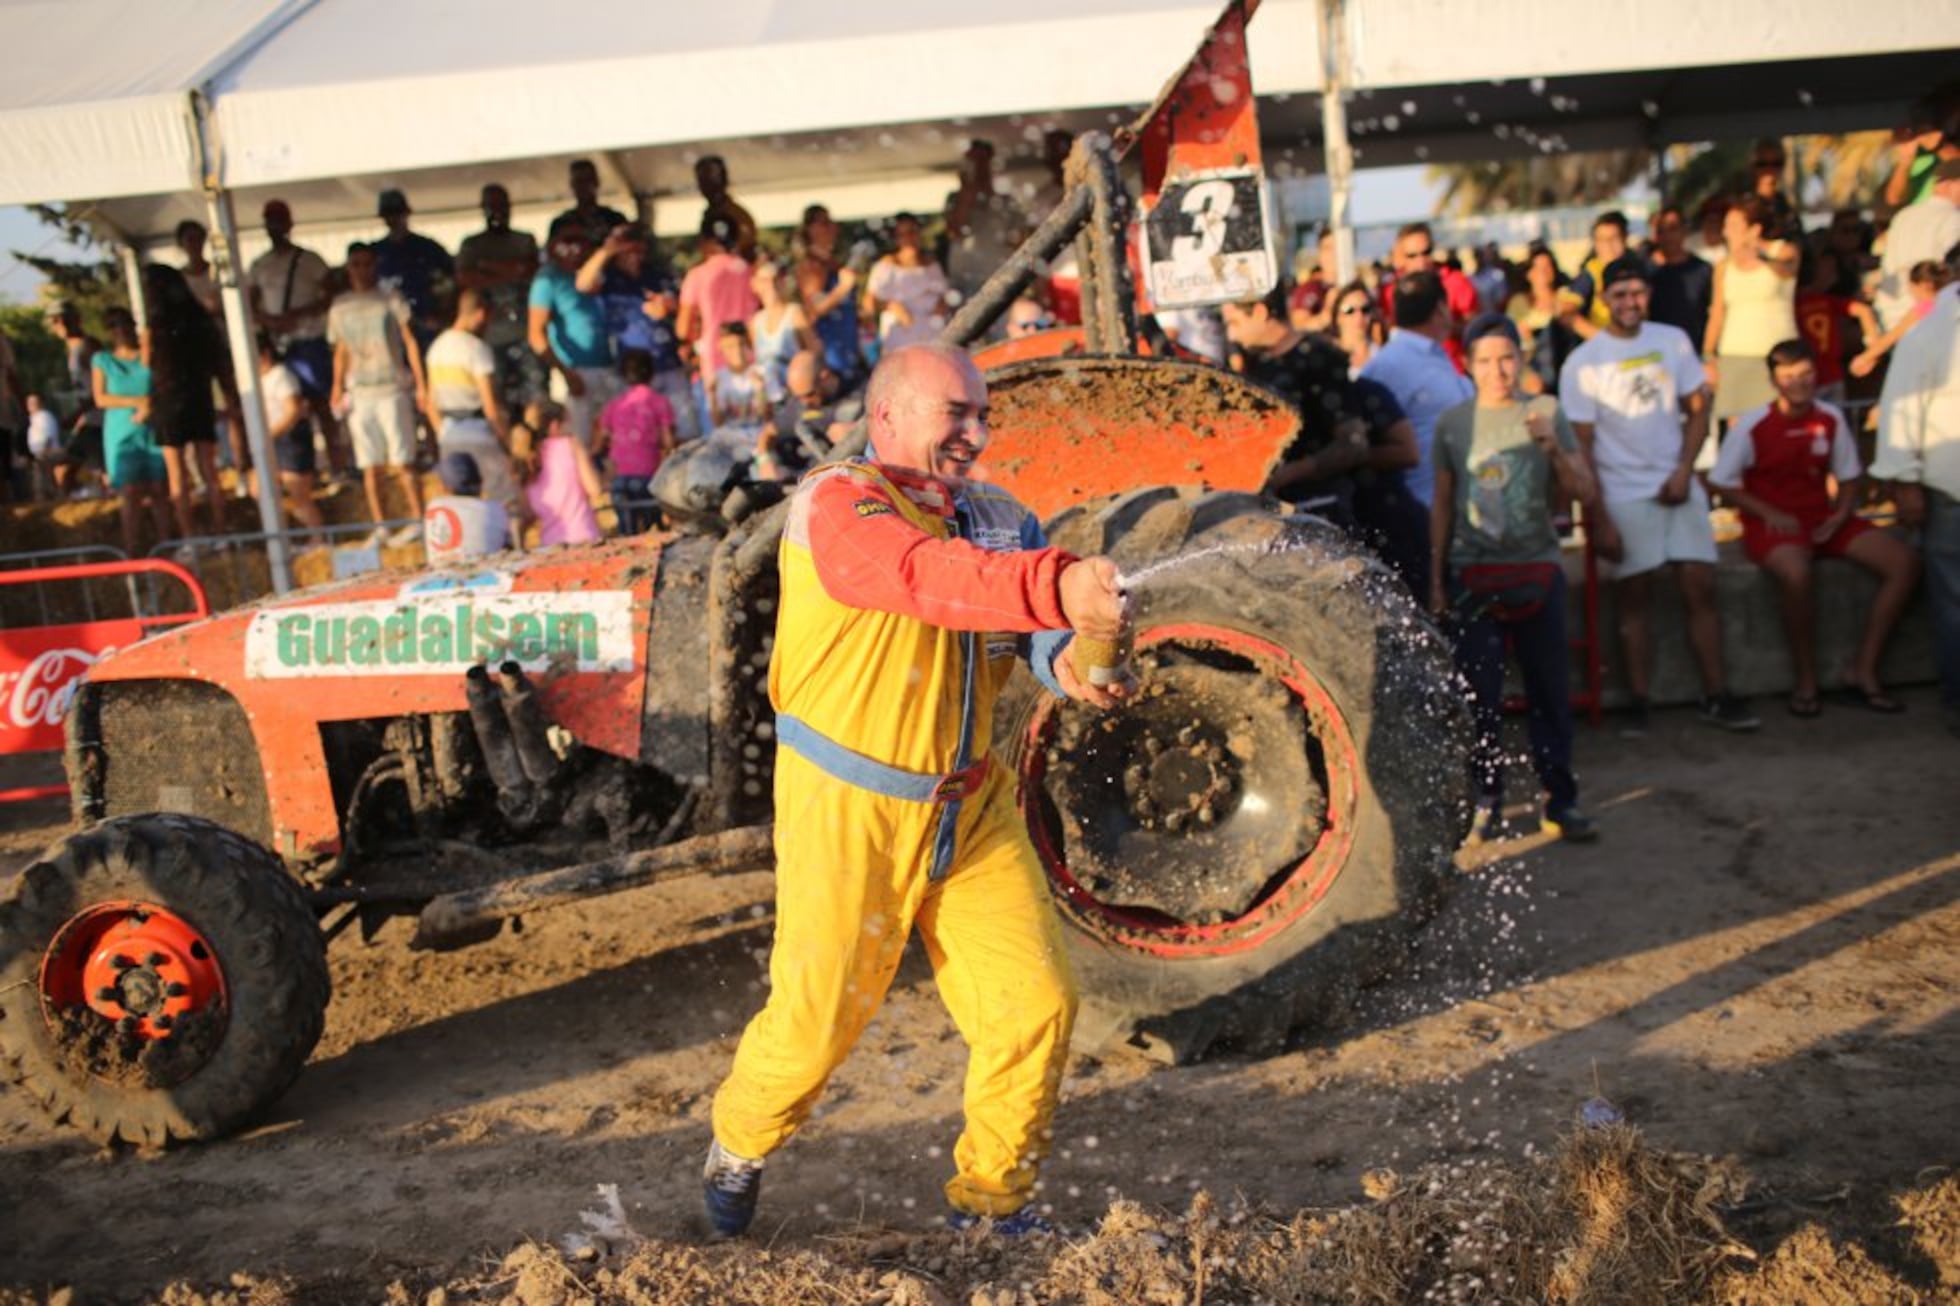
(41, 665)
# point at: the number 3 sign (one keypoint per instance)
(1206, 240)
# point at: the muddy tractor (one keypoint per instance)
(1234, 853)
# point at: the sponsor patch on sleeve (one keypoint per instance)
(870, 507)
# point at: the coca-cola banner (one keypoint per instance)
(39, 668)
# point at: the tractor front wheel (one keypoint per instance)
(161, 978)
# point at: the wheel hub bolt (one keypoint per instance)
(141, 993)
(121, 961)
(127, 1025)
(107, 993)
(155, 959)
(176, 989)
(164, 1021)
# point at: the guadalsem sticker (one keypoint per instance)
(443, 632)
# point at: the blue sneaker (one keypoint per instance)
(1023, 1223)
(731, 1184)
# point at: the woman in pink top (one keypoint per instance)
(560, 482)
(714, 292)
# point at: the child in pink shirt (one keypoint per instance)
(636, 429)
(560, 482)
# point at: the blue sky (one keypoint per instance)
(1381, 195)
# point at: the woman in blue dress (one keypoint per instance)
(130, 452)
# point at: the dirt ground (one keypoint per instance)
(1757, 963)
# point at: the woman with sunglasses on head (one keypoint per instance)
(1358, 326)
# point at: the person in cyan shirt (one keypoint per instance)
(568, 328)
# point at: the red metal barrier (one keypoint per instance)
(40, 665)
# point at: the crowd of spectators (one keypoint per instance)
(1460, 412)
(1656, 382)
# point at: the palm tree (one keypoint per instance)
(1540, 181)
(1840, 171)
(1848, 170)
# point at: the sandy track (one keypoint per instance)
(1758, 959)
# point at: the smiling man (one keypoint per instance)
(907, 593)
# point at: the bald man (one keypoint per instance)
(808, 422)
(907, 592)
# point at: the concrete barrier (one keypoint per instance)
(1754, 651)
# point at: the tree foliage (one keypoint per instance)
(42, 358)
(1542, 181)
(92, 284)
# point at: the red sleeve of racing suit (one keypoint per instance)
(869, 556)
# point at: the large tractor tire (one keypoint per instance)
(161, 978)
(1251, 840)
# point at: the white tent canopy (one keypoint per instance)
(96, 99)
(324, 102)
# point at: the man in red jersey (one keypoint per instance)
(1776, 466)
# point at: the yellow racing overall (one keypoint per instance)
(890, 816)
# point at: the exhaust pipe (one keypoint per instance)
(528, 727)
(515, 796)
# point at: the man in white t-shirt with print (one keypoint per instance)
(464, 410)
(1637, 398)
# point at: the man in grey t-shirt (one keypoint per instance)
(1499, 460)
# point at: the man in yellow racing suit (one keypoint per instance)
(907, 592)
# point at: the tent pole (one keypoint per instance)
(245, 364)
(1331, 20)
(133, 283)
(241, 336)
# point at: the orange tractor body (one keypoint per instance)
(1233, 852)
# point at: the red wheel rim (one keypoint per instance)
(1296, 892)
(136, 964)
